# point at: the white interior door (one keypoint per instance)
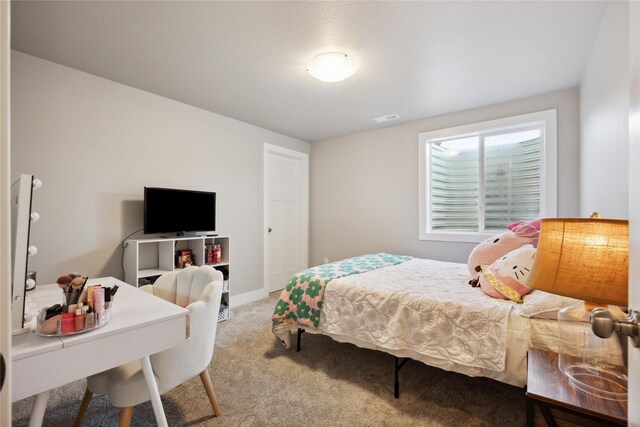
(634, 203)
(284, 227)
(286, 200)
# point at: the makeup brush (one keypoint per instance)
(84, 283)
(64, 281)
(83, 291)
(76, 284)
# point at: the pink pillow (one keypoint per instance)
(535, 224)
(507, 277)
(499, 245)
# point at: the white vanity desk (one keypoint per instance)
(140, 325)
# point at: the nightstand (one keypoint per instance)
(553, 401)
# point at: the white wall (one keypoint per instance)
(364, 187)
(96, 143)
(604, 106)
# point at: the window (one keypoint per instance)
(479, 178)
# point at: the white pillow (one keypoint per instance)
(543, 305)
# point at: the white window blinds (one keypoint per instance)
(455, 189)
(512, 181)
(485, 182)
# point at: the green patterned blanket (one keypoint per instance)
(301, 299)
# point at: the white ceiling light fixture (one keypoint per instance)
(331, 67)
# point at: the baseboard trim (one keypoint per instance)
(248, 297)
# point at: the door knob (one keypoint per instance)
(604, 325)
(269, 229)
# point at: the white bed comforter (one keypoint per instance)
(416, 305)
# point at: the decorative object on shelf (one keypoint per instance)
(184, 258)
(225, 275)
(223, 314)
(217, 254)
(586, 259)
(208, 253)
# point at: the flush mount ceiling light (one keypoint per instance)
(331, 67)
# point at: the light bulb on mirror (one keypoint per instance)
(35, 216)
(30, 284)
(36, 183)
(32, 250)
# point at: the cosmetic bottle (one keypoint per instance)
(79, 318)
(107, 305)
(67, 323)
(90, 319)
(90, 296)
(98, 304)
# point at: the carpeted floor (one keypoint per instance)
(259, 383)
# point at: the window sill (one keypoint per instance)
(456, 237)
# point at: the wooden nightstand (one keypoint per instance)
(553, 401)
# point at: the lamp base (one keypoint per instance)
(592, 364)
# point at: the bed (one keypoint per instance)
(424, 310)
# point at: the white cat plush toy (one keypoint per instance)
(507, 277)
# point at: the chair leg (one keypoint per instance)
(125, 416)
(206, 382)
(83, 407)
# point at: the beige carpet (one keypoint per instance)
(259, 383)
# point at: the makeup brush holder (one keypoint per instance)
(70, 324)
(69, 297)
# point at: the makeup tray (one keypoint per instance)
(56, 326)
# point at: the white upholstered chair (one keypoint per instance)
(199, 289)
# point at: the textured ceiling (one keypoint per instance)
(246, 60)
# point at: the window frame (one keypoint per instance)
(546, 119)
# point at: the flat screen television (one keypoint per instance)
(169, 210)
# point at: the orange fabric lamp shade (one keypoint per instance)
(586, 259)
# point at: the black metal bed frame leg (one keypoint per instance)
(396, 382)
(300, 331)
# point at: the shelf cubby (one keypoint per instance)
(145, 259)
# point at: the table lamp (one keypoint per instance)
(586, 259)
